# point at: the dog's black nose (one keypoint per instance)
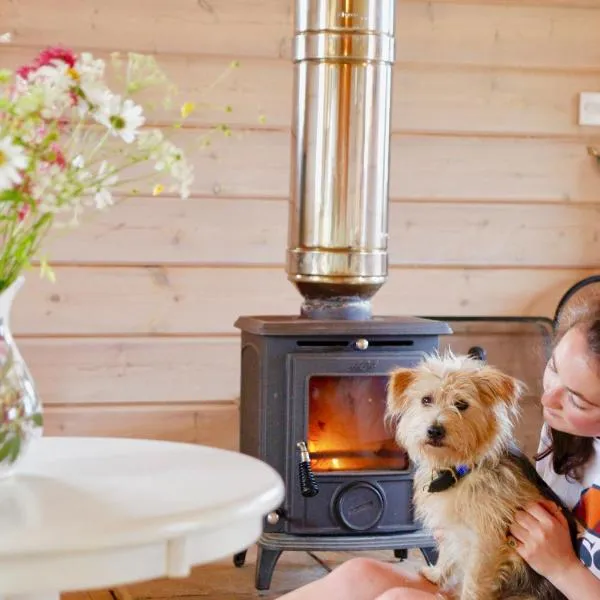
(436, 432)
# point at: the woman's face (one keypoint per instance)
(571, 398)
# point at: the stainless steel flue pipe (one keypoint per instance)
(338, 226)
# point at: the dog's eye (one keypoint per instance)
(426, 400)
(461, 405)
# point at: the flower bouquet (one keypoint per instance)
(69, 144)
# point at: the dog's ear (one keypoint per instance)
(496, 386)
(399, 381)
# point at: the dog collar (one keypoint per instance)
(447, 478)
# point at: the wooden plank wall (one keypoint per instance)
(494, 199)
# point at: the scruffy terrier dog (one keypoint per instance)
(454, 415)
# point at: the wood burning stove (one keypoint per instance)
(322, 384)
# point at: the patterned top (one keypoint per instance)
(582, 497)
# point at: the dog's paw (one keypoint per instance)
(432, 575)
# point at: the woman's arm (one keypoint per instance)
(543, 540)
(577, 582)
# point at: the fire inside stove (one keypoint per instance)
(346, 427)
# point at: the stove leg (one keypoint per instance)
(266, 560)
(430, 555)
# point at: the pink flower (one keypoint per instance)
(63, 124)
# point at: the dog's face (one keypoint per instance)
(452, 410)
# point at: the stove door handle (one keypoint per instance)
(308, 483)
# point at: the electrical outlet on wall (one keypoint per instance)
(589, 108)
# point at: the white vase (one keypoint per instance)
(21, 419)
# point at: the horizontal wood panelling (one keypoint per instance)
(210, 425)
(112, 371)
(469, 33)
(196, 231)
(538, 3)
(113, 301)
(493, 35)
(256, 164)
(426, 99)
(494, 205)
(159, 370)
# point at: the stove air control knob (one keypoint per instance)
(362, 344)
(359, 506)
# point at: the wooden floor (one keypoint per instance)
(223, 581)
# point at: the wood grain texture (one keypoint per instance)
(190, 232)
(111, 301)
(427, 99)
(256, 164)
(209, 425)
(88, 595)
(97, 372)
(428, 32)
(538, 3)
(142, 370)
(220, 580)
(494, 199)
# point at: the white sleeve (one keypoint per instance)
(542, 465)
(544, 438)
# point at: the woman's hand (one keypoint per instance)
(543, 539)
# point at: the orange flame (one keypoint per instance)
(346, 430)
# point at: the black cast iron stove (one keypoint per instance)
(323, 384)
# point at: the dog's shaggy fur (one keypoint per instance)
(454, 410)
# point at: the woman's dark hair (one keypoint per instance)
(570, 453)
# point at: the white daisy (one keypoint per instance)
(89, 68)
(90, 72)
(123, 119)
(48, 87)
(12, 159)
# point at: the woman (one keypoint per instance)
(569, 461)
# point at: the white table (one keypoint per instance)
(89, 513)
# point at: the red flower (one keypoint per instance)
(25, 70)
(58, 157)
(23, 212)
(45, 57)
